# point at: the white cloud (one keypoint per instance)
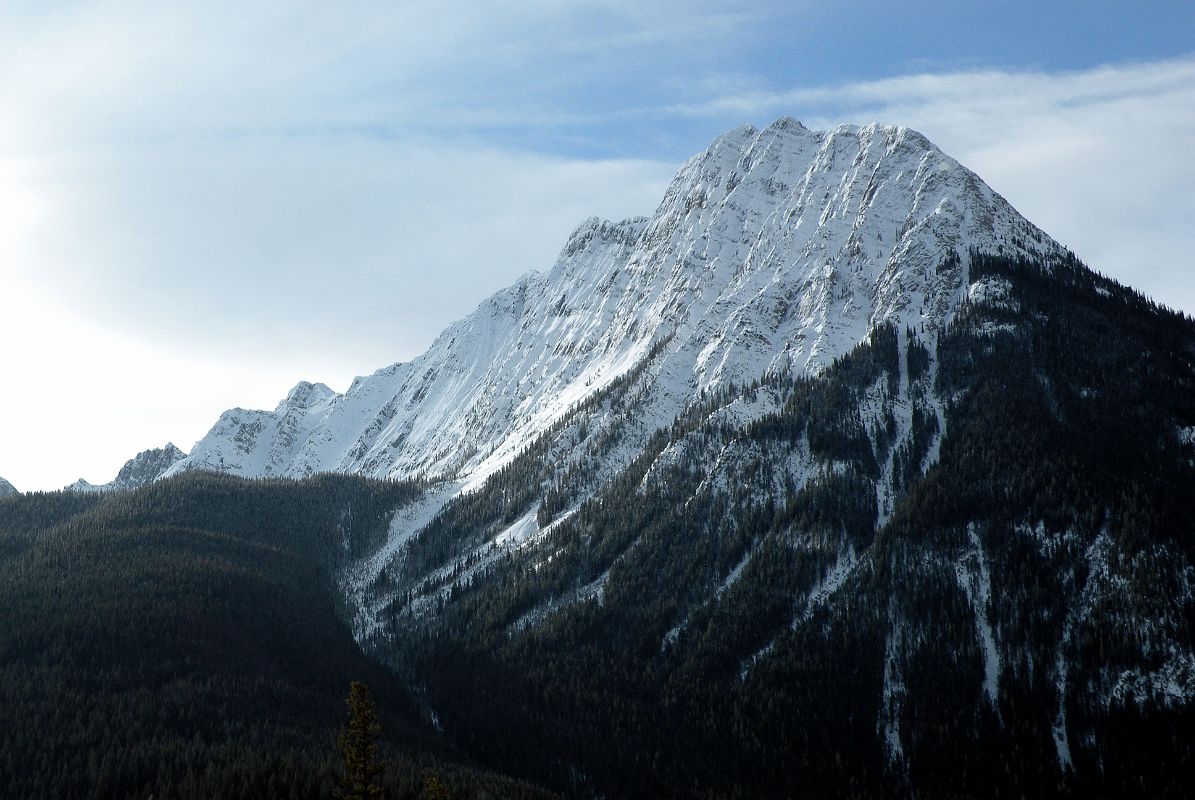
(79, 398)
(369, 242)
(128, 72)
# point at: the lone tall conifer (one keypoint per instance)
(358, 745)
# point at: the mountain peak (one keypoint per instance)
(773, 250)
(7, 489)
(785, 123)
(147, 466)
(143, 468)
(84, 486)
(304, 395)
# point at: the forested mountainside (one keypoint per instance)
(963, 569)
(187, 641)
(833, 477)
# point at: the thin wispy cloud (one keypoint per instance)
(969, 91)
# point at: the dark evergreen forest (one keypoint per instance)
(188, 641)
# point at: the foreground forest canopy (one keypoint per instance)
(188, 641)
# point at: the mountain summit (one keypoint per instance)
(772, 250)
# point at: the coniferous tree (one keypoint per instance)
(358, 745)
(435, 789)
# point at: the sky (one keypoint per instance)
(203, 203)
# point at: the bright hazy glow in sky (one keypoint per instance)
(203, 203)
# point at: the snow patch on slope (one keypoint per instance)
(976, 582)
(892, 693)
(405, 524)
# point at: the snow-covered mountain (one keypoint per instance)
(773, 249)
(834, 472)
(143, 468)
(7, 489)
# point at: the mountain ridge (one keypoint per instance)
(140, 470)
(796, 242)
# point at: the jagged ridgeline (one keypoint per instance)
(187, 640)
